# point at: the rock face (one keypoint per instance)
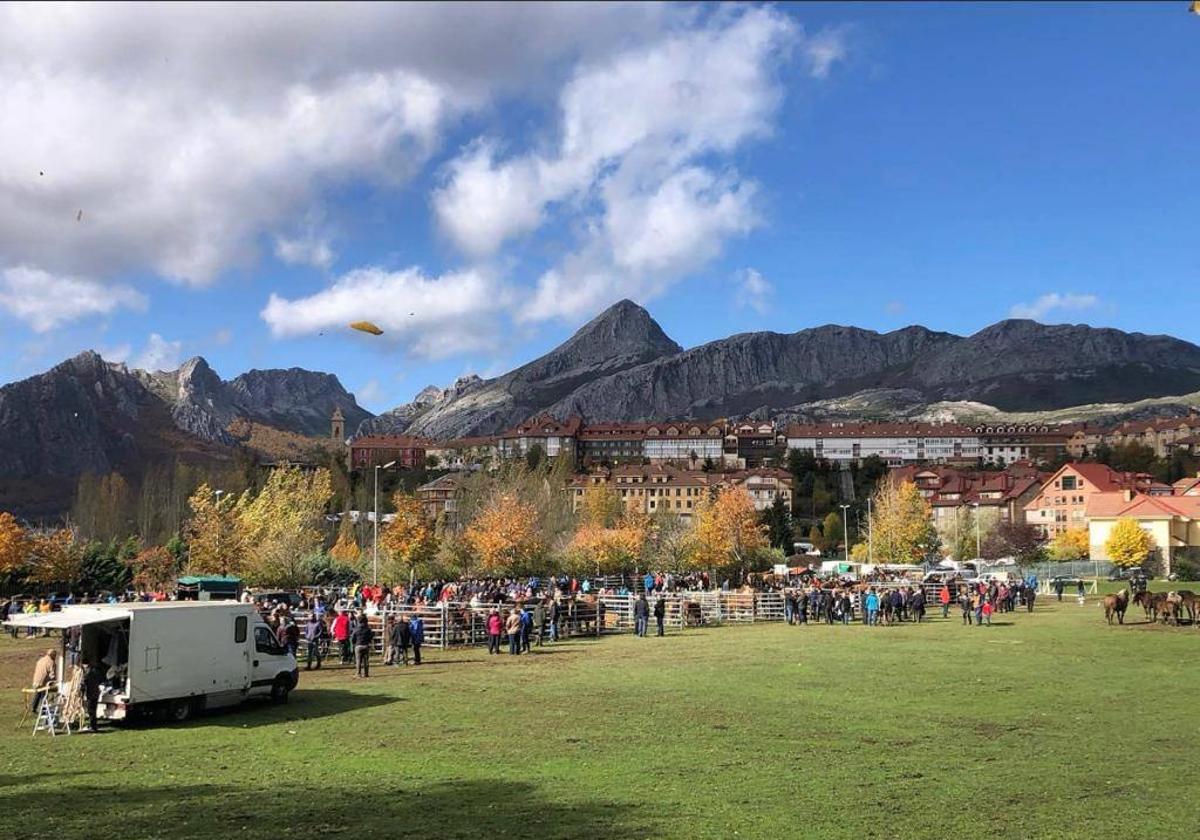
(295, 400)
(622, 366)
(89, 416)
(624, 336)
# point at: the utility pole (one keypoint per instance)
(375, 525)
(978, 548)
(846, 528)
(870, 534)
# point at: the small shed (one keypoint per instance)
(209, 588)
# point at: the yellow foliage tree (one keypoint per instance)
(728, 531)
(282, 528)
(1071, 544)
(608, 550)
(900, 524)
(154, 569)
(860, 553)
(408, 542)
(213, 536)
(55, 558)
(602, 506)
(14, 545)
(346, 550)
(1128, 544)
(505, 536)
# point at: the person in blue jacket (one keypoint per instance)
(872, 605)
(416, 634)
(648, 580)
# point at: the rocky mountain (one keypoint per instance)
(293, 400)
(622, 337)
(87, 415)
(621, 366)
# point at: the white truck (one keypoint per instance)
(175, 658)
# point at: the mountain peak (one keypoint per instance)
(623, 328)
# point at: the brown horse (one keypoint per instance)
(1116, 605)
(1151, 602)
(1190, 602)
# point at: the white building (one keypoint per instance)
(896, 443)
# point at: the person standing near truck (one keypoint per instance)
(416, 634)
(43, 675)
(314, 631)
(341, 634)
(363, 637)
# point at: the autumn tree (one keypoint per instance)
(669, 541)
(282, 528)
(1071, 544)
(408, 542)
(728, 533)
(860, 553)
(154, 569)
(1021, 541)
(346, 551)
(900, 525)
(505, 536)
(609, 550)
(602, 506)
(14, 546)
(834, 529)
(55, 558)
(1128, 544)
(213, 537)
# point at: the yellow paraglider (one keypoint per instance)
(367, 327)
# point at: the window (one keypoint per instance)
(1068, 482)
(264, 641)
(239, 629)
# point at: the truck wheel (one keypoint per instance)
(179, 711)
(281, 688)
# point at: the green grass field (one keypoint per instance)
(1045, 725)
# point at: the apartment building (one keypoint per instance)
(896, 443)
(646, 488)
(1062, 501)
(555, 437)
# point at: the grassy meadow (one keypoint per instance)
(1044, 725)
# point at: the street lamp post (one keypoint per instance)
(846, 529)
(978, 549)
(375, 525)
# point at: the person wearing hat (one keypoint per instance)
(43, 675)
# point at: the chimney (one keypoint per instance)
(1128, 493)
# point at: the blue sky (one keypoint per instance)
(249, 183)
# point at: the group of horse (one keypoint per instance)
(1167, 607)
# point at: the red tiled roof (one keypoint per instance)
(1108, 505)
(392, 442)
(544, 424)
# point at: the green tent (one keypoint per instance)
(209, 588)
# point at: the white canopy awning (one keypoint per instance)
(69, 617)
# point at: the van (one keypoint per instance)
(175, 658)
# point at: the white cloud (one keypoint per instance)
(894, 307)
(753, 290)
(632, 169)
(158, 354)
(823, 50)
(308, 249)
(117, 354)
(189, 133)
(223, 336)
(370, 394)
(46, 301)
(1054, 302)
(433, 317)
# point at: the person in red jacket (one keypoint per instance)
(495, 626)
(944, 600)
(341, 634)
